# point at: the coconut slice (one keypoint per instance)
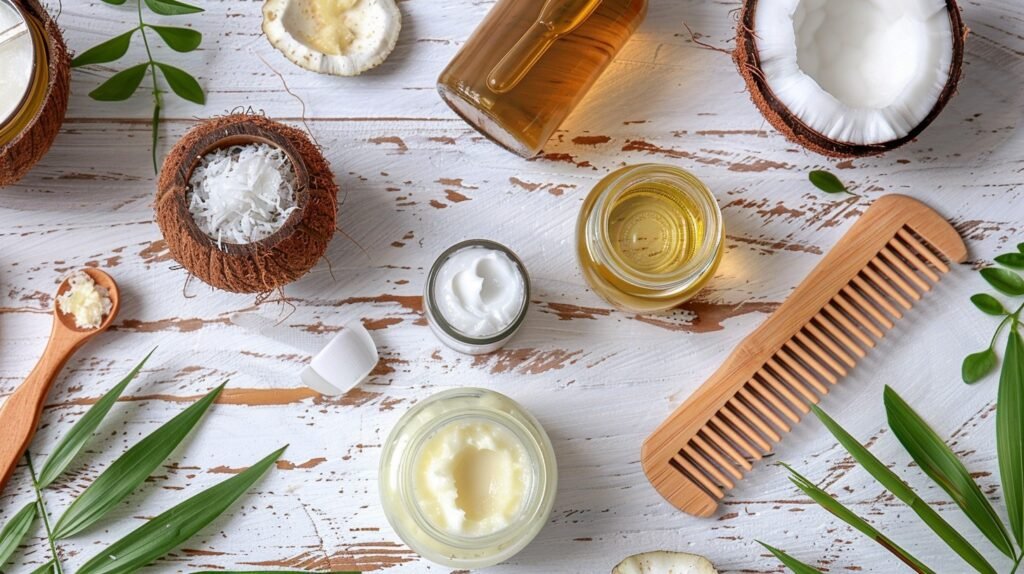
(663, 562)
(340, 37)
(850, 78)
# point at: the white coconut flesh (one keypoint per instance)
(340, 37)
(856, 71)
(663, 562)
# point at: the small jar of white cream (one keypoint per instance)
(468, 478)
(476, 296)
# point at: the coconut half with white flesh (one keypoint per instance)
(339, 37)
(663, 562)
(850, 78)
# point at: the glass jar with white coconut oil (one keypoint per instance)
(24, 72)
(467, 478)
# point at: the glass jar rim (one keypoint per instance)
(434, 313)
(623, 180)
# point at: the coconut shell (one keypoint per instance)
(20, 154)
(261, 266)
(778, 115)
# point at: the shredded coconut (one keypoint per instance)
(242, 194)
(86, 301)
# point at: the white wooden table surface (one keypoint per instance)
(414, 180)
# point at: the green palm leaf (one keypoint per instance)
(1010, 431)
(939, 462)
(14, 532)
(79, 434)
(131, 469)
(902, 491)
(165, 532)
(796, 566)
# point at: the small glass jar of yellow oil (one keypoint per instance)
(649, 237)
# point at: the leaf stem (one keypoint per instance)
(156, 88)
(43, 511)
(1016, 564)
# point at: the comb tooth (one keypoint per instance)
(832, 346)
(813, 363)
(766, 412)
(784, 391)
(692, 473)
(913, 259)
(923, 250)
(857, 315)
(859, 300)
(795, 365)
(837, 316)
(895, 278)
(724, 445)
(780, 405)
(717, 457)
(735, 437)
(834, 330)
(791, 381)
(758, 417)
(878, 298)
(889, 289)
(708, 467)
(901, 266)
(815, 349)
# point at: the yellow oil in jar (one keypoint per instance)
(649, 237)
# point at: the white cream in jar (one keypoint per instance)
(476, 296)
(467, 478)
(17, 59)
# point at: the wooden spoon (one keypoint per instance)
(20, 414)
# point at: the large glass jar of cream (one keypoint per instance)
(476, 296)
(531, 62)
(649, 237)
(24, 74)
(467, 478)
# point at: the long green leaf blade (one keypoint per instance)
(79, 434)
(939, 462)
(796, 566)
(14, 531)
(843, 513)
(131, 469)
(183, 84)
(171, 7)
(894, 484)
(165, 532)
(105, 52)
(179, 39)
(121, 85)
(48, 567)
(1010, 431)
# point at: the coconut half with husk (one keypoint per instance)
(246, 204)
(38, 57)
(849, 78)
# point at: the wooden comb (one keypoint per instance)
(887, 260)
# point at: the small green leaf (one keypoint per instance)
(121, 85)
(1010, 431)
(47, 568)
(988, 304)
(179, 39)
(1003, 280)
(796, 566)
(1020, 247)
(115, 2)
(14, 532)
(171, 7)
(79, 434)
(165, 532)
(939, 462)
(826, 181)
(977, 365)
(105, 52)
(1014, 260)
(183, 84)
(131, 469)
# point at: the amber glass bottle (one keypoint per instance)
(531, 62)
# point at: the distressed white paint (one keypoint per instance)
(598, 380)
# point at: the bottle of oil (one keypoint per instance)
(649, 237)
(531, 62)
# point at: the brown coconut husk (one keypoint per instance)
(778, 115)
(262, 266)
(20, 154)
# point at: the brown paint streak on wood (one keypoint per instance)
(455, 182)
(178, 324)
(567, 312)
(454, 196)
(156, 252)
(591, 140)
(362, 557)
(773, 245)
(527, 361)
(651, 149)
(708, 317)
(437, 204)
(412, 303)
(380, 324)
(525, 185)
(396, 141)
(443, 140)
(561, 157)
(245, 397)
(758, 165)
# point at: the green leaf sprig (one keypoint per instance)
(827, 181)
(1007, 282)
(123, 84)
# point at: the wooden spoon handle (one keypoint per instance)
(20, 414)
